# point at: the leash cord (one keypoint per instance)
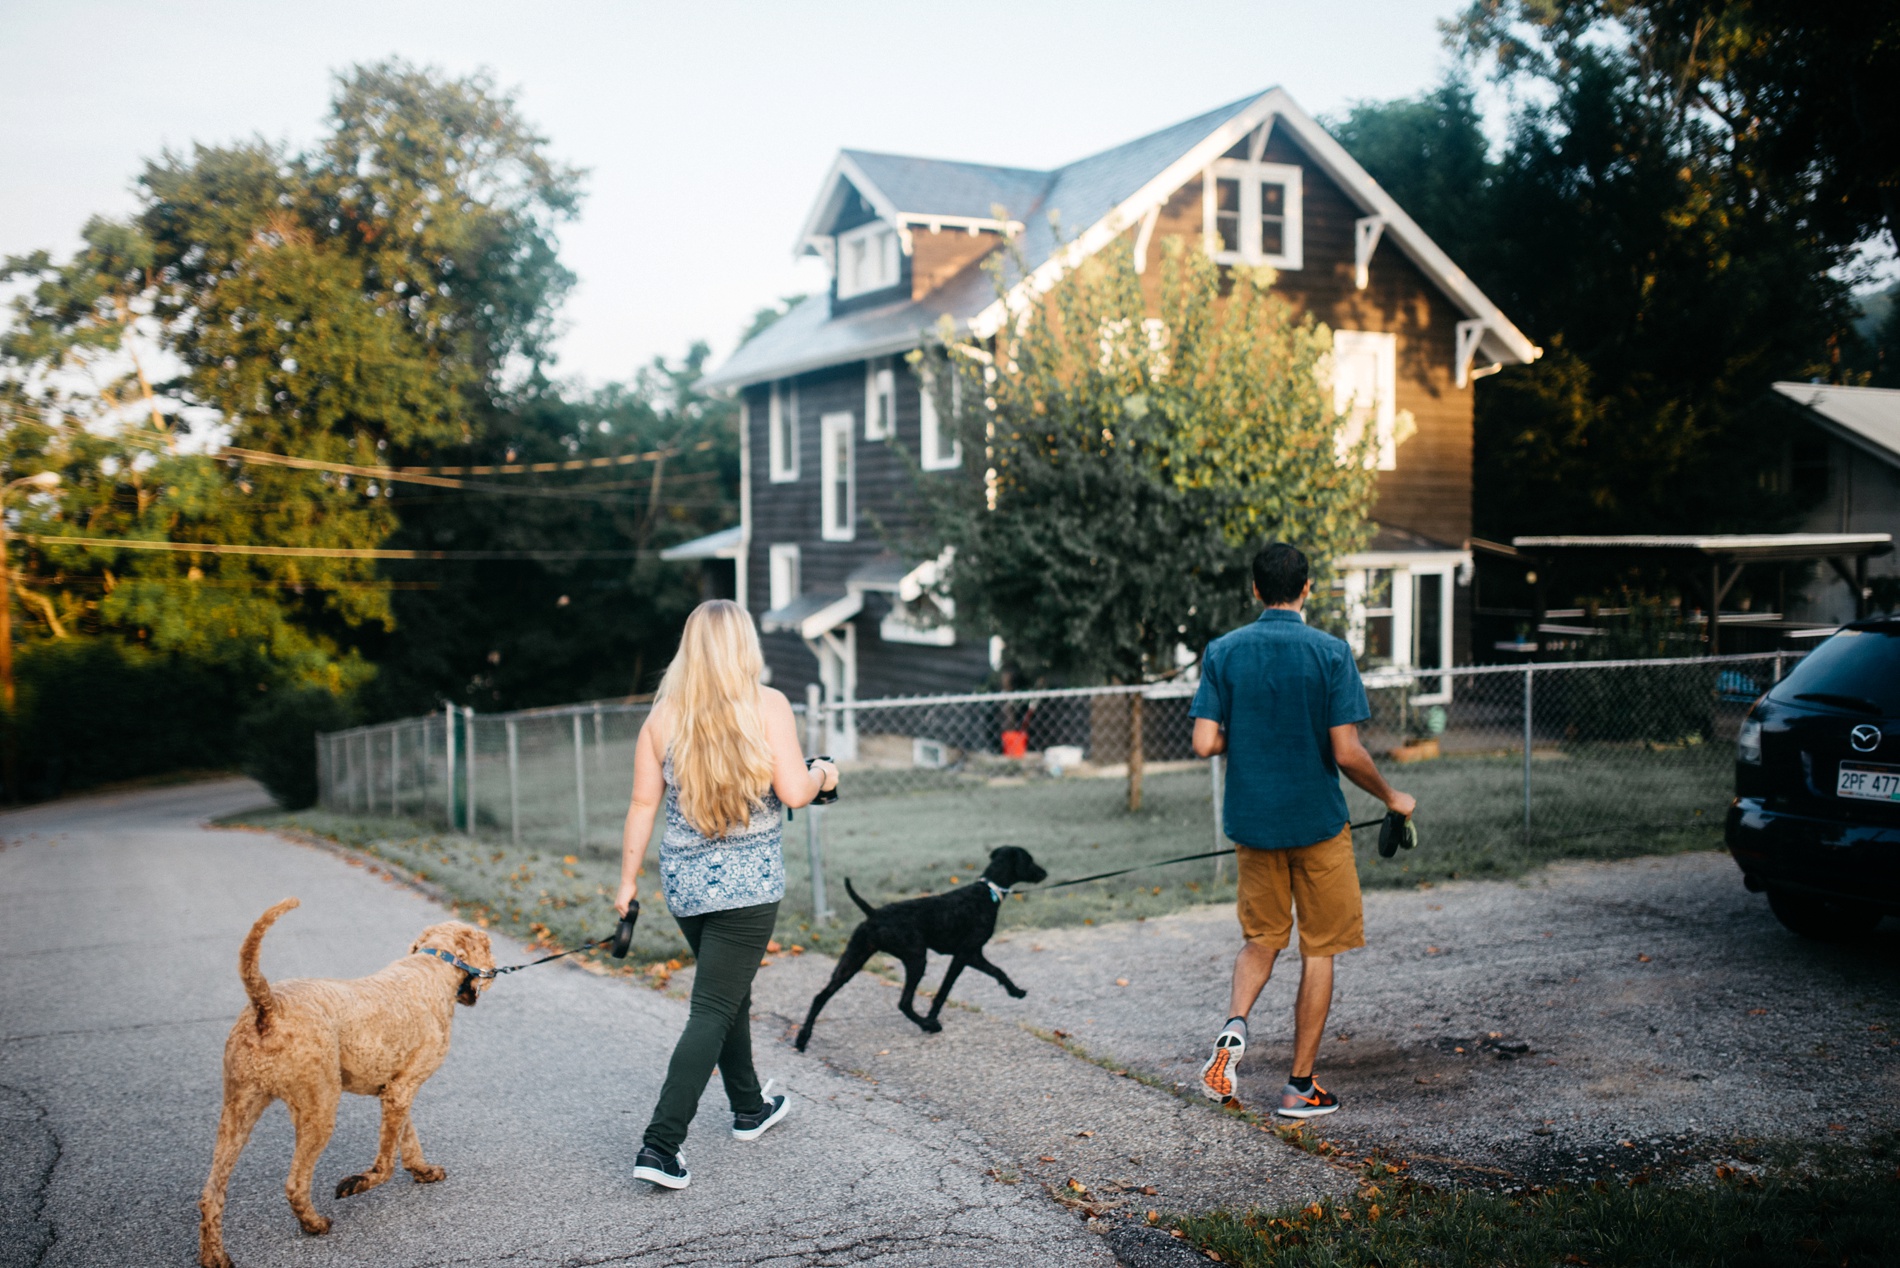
(1185, 858)
(585, 946)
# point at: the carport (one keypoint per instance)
(1711, 563)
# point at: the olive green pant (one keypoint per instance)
(727, 946)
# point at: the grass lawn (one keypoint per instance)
(1793, 1216)
(901, 845)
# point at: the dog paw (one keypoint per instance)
(350, 1186)
(930, 1027)
(316, 1227)
(1017, 992)
(213, 1259)
(428, 1173)
(800, 1042)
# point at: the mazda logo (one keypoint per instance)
(1864, 738)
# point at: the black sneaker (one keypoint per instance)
(666, 1170)
(755, 1124)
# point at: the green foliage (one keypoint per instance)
(278, 736)
(1136, 463)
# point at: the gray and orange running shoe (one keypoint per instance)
(1217, 1076)
(1297, 1104)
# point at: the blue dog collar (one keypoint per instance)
(997, 892)
(451, 958)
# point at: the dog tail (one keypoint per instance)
(255, 984)
(868, 909)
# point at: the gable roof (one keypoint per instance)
(1097, 199)
(1866, 417)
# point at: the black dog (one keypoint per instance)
(956, 924)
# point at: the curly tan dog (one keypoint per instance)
(307, 1042)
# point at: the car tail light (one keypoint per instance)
(1748, 742)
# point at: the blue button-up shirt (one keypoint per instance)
(1278, 687)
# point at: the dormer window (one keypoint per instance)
(1252, 213)
(867, 259)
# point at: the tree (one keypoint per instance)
(1132, 464)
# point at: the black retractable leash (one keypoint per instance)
(621, 938)
(825, 795)
(1396, 832)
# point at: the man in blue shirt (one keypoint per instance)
(1283, 701)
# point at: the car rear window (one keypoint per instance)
(1856, 670)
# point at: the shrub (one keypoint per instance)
(277, 741)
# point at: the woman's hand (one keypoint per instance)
(629, 890)
(826, 772)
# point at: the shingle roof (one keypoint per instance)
(1081, 194)
(1866, 416)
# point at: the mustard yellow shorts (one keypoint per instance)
(1319, 881)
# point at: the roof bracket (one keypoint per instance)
(1144, 234)
(1365, 240)
(1470, 335)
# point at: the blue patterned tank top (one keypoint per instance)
(741, 869)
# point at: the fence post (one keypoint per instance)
(514, 786)
(1528, 671)
(1220, 837)
(815, 815)
(1777, 667)
(448, 754)
(369, 773)
(468, 770)
(395, 768)
(600, 742)
(580, 781)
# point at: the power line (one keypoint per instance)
(327, 552)
(428, 476)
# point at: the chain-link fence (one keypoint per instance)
(1528, 759)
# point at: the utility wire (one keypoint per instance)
(424, 475)
(324, 552)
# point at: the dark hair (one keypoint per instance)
(1279, 573)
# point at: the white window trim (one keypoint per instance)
(1384, 349)
(1404, 637)
(837, 524)
(928, 424)
(883, 245)
(1446, 573)
(1251, 176)
(880, 384)
(782, 574)
(781, 433)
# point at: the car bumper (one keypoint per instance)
(1854, 861)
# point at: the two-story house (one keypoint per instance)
(826, 389)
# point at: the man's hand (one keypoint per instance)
(629, 890)
(1401, 803)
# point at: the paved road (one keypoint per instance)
(120, 919)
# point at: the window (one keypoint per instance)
(783, 580)
(838, 488)
(941, 449)
(781, 429)
(1365, 380)
(880, 399)
(1375, 642)
(1252, 213)
(925, 622)
(1431, 634)
(1399, 617)
(867, 259)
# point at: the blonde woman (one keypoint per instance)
(719, 753)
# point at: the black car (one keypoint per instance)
(1816, 817)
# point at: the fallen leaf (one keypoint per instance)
(1175, 1232)
(1076, 1186)
(673, 966)
(1148, 1190)
(1154, 1217)
(772, 946)
(1121, 981)
(1060, 1034)
(1837, 1127)
(1757, 1012)
(1642, 959)
(797, 950)
(953, 880)
(1431, 950)
(1048, 1157)
(883, 1052)
(764, 963)
(1085, 1135)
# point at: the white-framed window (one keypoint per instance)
(939, 448)
(1252, 213)
(781, 431)
(1400, 618)
(880, 399)
(838, 480)
(1365, 382)
(782, 578)
(867, 259)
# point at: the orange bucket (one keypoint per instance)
(1015, 744)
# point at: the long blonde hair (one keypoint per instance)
(722, 764)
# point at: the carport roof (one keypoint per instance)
(1717, 547)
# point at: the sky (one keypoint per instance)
(705, 127)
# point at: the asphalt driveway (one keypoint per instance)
(120, 919)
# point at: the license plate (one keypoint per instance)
(1864, 781)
